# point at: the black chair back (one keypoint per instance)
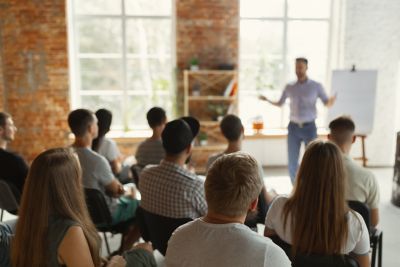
(363, 209)
(315, 260)
(8, 200)
(97, 206)
(158, 229)
(135, 170)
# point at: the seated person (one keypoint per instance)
(13, 168)
(97, 174)
(54, 227)
(362, 184)
(233, 130)
(106, 146)
(220, 238)
(315, 219)
(151, 151)
(170, 189)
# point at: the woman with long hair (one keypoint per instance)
(315, 218)
(54, 227)
(105, 146)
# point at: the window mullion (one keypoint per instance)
(125, 119)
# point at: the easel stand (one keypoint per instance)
(363, 157)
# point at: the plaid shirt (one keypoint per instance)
(172, 191)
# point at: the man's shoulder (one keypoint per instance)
(11, 156)
(356, 171)
(88, 156)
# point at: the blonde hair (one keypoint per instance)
(232, 183)
(317, 206)
(53, 188)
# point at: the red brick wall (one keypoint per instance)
(35, 72)
(207, 30)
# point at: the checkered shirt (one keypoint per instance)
(172, 191)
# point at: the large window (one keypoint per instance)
(272, 34)
(122, 58)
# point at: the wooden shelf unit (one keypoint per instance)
(211, 86)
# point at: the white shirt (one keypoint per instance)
(198, 243)
(109, 149)
(358, 236)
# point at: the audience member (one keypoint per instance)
(151, 151)
(97, 172)
(315, 219)
(170, 189)
(54, 227)
(232, 129)
(219, 238)
(106, 146)
(13, 167)
(362, 184)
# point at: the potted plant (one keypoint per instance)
(202, 138)
(194, 64)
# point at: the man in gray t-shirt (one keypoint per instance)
(97, 174)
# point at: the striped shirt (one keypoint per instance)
(172, 191)
(149, 152)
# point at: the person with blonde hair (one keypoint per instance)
(54, 227)
(220, 238)
(315, 218)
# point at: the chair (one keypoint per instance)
(158, 229)
(262, 208)
(101, 216)
(315, 260)
(8, 199)
(375, 235)
(135, 170)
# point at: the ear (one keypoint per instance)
(353, 139)
(253, 205)
(189, 149)
(329, 137)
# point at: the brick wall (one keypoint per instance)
(35, 72)
(207, 30)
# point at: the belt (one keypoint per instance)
(302, 124)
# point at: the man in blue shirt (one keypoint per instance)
(303, 95)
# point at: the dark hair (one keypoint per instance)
(104, 119)
(302, 59)
(3, 117)
(342, 129)
(231, 127)
(79, 121)
(156, 116)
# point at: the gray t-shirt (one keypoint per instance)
(96, 173)
(150, 152)
(199, 243)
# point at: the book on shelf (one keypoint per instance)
(230, 88)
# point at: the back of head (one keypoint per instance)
(156, 116)
(179, 134)
(318, 205)
(79, 121)
(53, 189)
(302, 60)
(232, 183)
(342, 130)
(231, 127)
(3, 118)
(104, 119)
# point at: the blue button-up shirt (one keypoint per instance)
(303, 97)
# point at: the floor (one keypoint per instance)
(389, 221)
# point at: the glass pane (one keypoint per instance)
(261, 74)
(100, 35)
(101, 74)
(252, 108)
(260, 37)
(309, 39)
(137, 106)
(97, 6)
(262, 8)
(149, 74)
(112, 103)
(149, 36)
(309, 8)
(148, 7)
